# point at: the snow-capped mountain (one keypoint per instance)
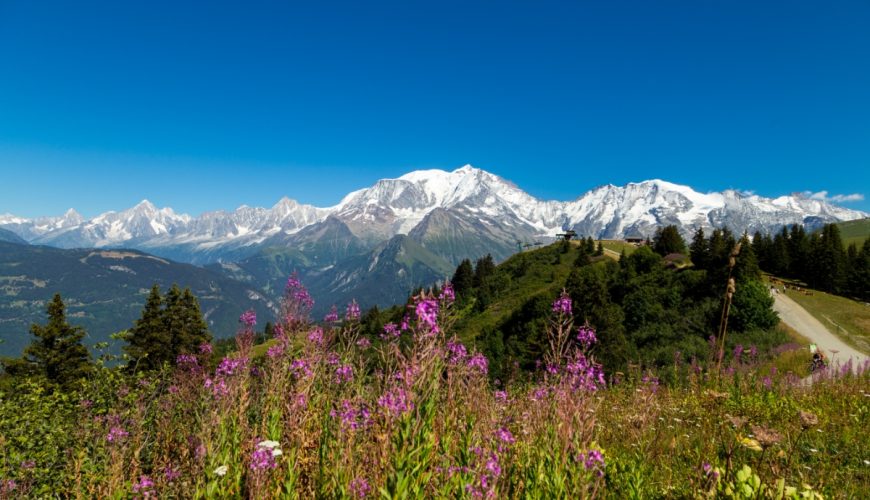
(452, 214)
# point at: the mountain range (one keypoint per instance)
(380, 242)
(446, 212)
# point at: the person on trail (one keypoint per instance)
(818, 358)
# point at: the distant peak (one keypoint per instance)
(465, 169)
(145, 204)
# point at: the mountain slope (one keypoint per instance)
(10, 237)
(105, 290)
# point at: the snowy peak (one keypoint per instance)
(465, 200)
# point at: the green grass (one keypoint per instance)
(618, 246)
(855, 231)
(852, 317)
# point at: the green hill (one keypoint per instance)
(855, 231)
(643, 309)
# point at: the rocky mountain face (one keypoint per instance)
(437, 217)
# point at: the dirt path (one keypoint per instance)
(795, 316)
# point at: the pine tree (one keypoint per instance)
(599, 251)
(148, 342)
(590, 245)
(482, 270)
(699, 251)
(194, 331)
(463, 279)
(746, 264)
(57, 351)
(668, 240)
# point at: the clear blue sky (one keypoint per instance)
(216, 104)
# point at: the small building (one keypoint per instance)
(635, 239)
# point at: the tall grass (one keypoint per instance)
(413, 414)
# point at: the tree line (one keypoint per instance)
(819, 259)
(168, 326)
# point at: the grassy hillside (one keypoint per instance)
(846, 318)
(855, 231)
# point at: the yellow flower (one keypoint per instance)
(750, 443)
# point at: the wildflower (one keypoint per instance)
(116, 434)
(586, 336)
(492, 465)
(248, 318)
(738, 351)
(303, 297)
(187, 360)
(594, 460)
(173, 389)
(395, 401)
(352, 312)
(300, 368)
(808, 419)
(144, 486)
(28, 464)
(230, 366)
(456, 351)
(562, 305)
(479, 362)
(390, 331)
(315, 336)
(405, 323)
(276, 350)
(293, 283)
(505, 436)
(218, 386)
(332, 316)
(344, 373)
(767, 382)
(427, 313)
(221, 471)
(352, 416)
(205, 348)
(750, 443)
(447, 293)
(170, 473)
(500, 396)
(363, 343)
(262, 459)
(359, 487)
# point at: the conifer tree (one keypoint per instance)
(463, 279)
(194, 330)
(668, 240)
(600, 250)
(698, 251)
(482, 270)
(148, 342)
(57, 351)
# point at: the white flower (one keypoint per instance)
(221, 471)
(269, 444)
(277, 452)
(866, 462)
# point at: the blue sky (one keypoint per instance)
(212, 105)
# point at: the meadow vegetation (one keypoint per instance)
(412, 412)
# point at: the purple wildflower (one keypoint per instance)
(359, 487)
(352, 312)
(116, 434)
(332, 316)
(187, 360)
(390, 331)
(562, 305)
(456, 352)
(276, 350)
(344, 373)
(315, 336)
(395, 401)
(144, 486)
(447, 293)
(586, 336)
(170, 473)
(427, 313)
(248, 318)
(504, 435)
(738, 351)
(352, 417)
(218, 386)
(363, 343)
(262, 459)
(230, 366)
(479, 362)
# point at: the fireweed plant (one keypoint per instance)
(412, 413)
